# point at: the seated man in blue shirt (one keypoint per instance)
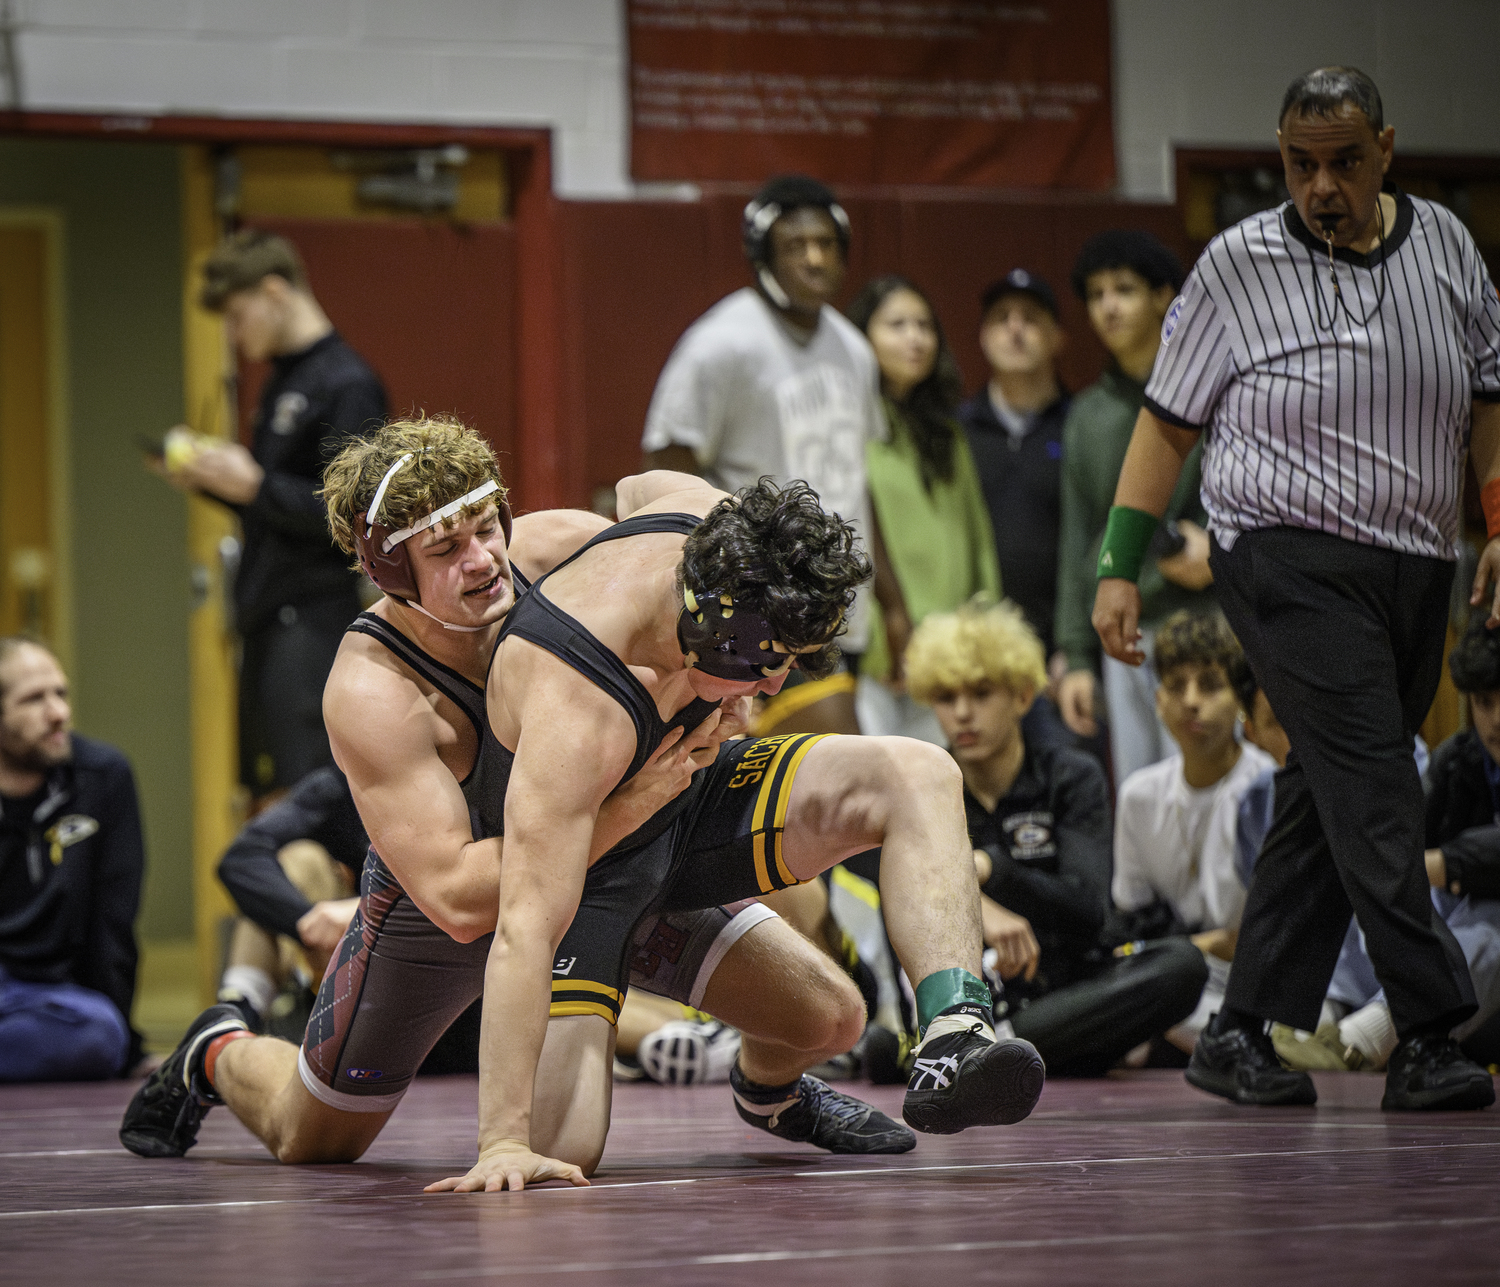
(1039, 822)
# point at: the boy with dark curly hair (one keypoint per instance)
(1175, 822)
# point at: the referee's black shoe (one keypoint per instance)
(1243, 1066)
(1433, 1073)
(163, 1117)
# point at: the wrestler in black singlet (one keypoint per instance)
(718, 842)
(398, 981)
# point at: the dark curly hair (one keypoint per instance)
(929, 407)
(1203, 638)
(1474, 662)
(777, 551)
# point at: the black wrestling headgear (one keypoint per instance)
(729, 642)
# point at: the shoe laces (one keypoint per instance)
(824, 1099)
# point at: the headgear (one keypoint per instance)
(743, 651)
(780, 196)
(381, 549)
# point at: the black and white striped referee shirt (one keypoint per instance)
(1348, 416)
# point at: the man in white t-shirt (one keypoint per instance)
(1175, 820)
(773, 381)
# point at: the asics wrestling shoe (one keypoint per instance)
(1243, 1066)
(689, 1052)
(961, 1079)
(1433, 1074)
(812, 1112)
(164, 1116)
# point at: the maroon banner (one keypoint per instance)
(947, 92)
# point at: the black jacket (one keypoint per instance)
(1462, 818)
(312, 402)
(1050, 842)
(72, 874)
(1022, 486)
(318, 808)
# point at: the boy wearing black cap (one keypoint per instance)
(1127, 278)
(772, 381)
(1014, 425)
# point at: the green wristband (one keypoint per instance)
(1126, 537)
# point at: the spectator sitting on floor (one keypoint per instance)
(925, 493)
(293, 872)
(71, 862)
(1461, 783)
(1127, 279)
(1175, 821)
(1039, 821)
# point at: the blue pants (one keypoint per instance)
(1475, 924)
(59, 1032)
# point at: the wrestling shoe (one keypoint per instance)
(817, 1114)
(960, 1079)
(1243, 1066)
(689, 1052)
(163, 1117)
(1432, 1073)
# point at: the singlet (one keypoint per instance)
(484, 787)
(538, 620)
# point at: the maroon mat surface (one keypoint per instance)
(1137, 1179)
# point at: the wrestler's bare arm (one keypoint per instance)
(663, 491)
(385, 737)
(575, 744)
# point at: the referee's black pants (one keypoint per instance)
(1346, 641)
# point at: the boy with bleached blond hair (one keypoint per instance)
(1038, 818)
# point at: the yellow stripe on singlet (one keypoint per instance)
(562, 1009)
(584, 985)
(784, 796)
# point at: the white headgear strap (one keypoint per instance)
(438, 515)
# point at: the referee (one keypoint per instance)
(1341, 353)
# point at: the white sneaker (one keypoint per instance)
(687, 1052)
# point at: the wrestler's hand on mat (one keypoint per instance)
(1487, 578)
(1011, 937)
(509, 1164)
(1117, 618)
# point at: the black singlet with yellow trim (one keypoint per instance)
(538, 620)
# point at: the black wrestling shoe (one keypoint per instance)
(961, 1080)
(164, 1116)
(1432, 1073)
(1243, 1066)
(825, 1118)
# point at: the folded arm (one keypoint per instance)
(665, 490)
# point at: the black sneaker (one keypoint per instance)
(961, 1080)
(164, 1116)
(1433, 1073)
(830, 1119)
(1243, 1066)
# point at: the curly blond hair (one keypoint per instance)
(984, 642)
(448, 461)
